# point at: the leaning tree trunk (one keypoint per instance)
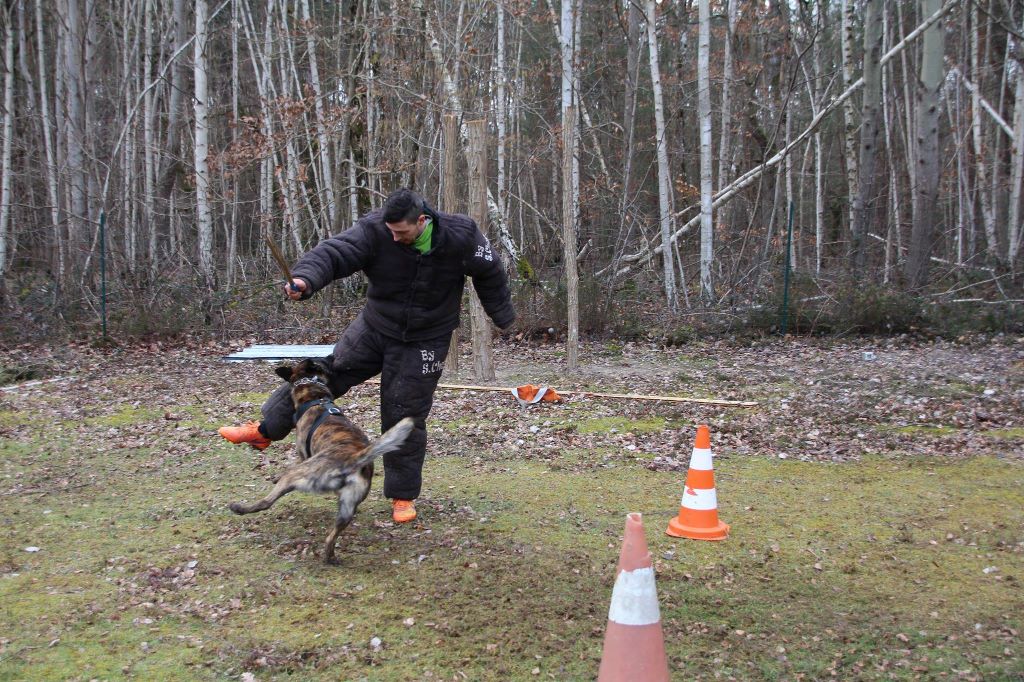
(664, 179)
(926, 213)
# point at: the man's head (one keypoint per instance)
(404, 215)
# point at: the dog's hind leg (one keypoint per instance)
(285, 485)
(349, 497)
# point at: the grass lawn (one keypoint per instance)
(888, 567)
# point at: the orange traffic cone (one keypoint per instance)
(698, 510)
(634, 646)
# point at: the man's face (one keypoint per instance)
(406, 232)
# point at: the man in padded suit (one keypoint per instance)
(416, 260)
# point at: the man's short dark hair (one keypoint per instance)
(403, 205)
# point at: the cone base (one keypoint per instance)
(679, 530)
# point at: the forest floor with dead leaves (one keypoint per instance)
(875, 496)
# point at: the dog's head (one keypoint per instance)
(315, 370)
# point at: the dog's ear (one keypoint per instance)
(322, 366)
(285, 372)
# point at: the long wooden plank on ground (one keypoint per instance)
(594, 394)
(288, 352)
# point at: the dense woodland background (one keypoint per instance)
(149, 147)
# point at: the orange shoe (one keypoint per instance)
(403, 511)
(248, 432)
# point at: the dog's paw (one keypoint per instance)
(237, 507)
(332, 561)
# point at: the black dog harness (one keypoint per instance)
(326, 403)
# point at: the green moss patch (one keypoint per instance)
(1005, 434)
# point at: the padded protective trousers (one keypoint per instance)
(409, 372)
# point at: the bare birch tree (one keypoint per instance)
(706, 181)
(8, 129)
(664, 178)
(847, 42)
(1013, 227)
(204, 219)
(981, 159)
(327, 195)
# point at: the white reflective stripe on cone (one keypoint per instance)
(701, 459)
(635, 598)
(701, 499)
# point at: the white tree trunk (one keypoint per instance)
(8, 129)
(204, 220)
(981, 158)
(664, 178)
(501, 114)
(149, 141)
(706, 181)
(819, 160)
(1013, 229)
(327, 196)
(849, 16)
(232, 245)
(894, 235)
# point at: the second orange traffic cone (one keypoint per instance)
(634, 646)
(698, 509)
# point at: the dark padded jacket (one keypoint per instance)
(413, 296)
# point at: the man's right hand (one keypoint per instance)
(295, 290)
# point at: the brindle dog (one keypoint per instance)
(336, 457)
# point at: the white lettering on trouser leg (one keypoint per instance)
(635, 598)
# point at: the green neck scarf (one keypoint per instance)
(422, 243)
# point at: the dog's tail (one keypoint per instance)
(391, 440)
